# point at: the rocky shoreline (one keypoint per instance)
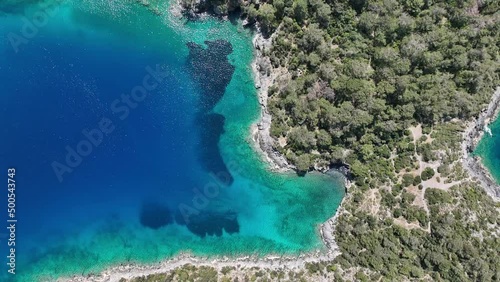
(472, 135)
(264, 76)
(271, 262)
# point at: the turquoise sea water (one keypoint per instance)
(489, 150)
(177, 172)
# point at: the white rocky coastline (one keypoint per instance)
(264, 76)
(270, 262)
(472, 135)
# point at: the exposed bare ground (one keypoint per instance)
(401, 221)
(437, 181)
(416, 131)
(371, 202)
(419, 197)
(434, 183)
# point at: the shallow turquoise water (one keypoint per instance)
(64, 79)
(489, 150)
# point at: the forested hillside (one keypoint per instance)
(363, 71)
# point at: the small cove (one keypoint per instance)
(177, 174)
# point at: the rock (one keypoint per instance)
(472, 135)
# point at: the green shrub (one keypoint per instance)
(427, 174)
(407, 180)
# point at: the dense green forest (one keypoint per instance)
(363, 71)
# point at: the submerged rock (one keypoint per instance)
(155, 215)
(211, 70)
(210, 223)
(211, 127)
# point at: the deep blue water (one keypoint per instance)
(171, 171)
(57, 87)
